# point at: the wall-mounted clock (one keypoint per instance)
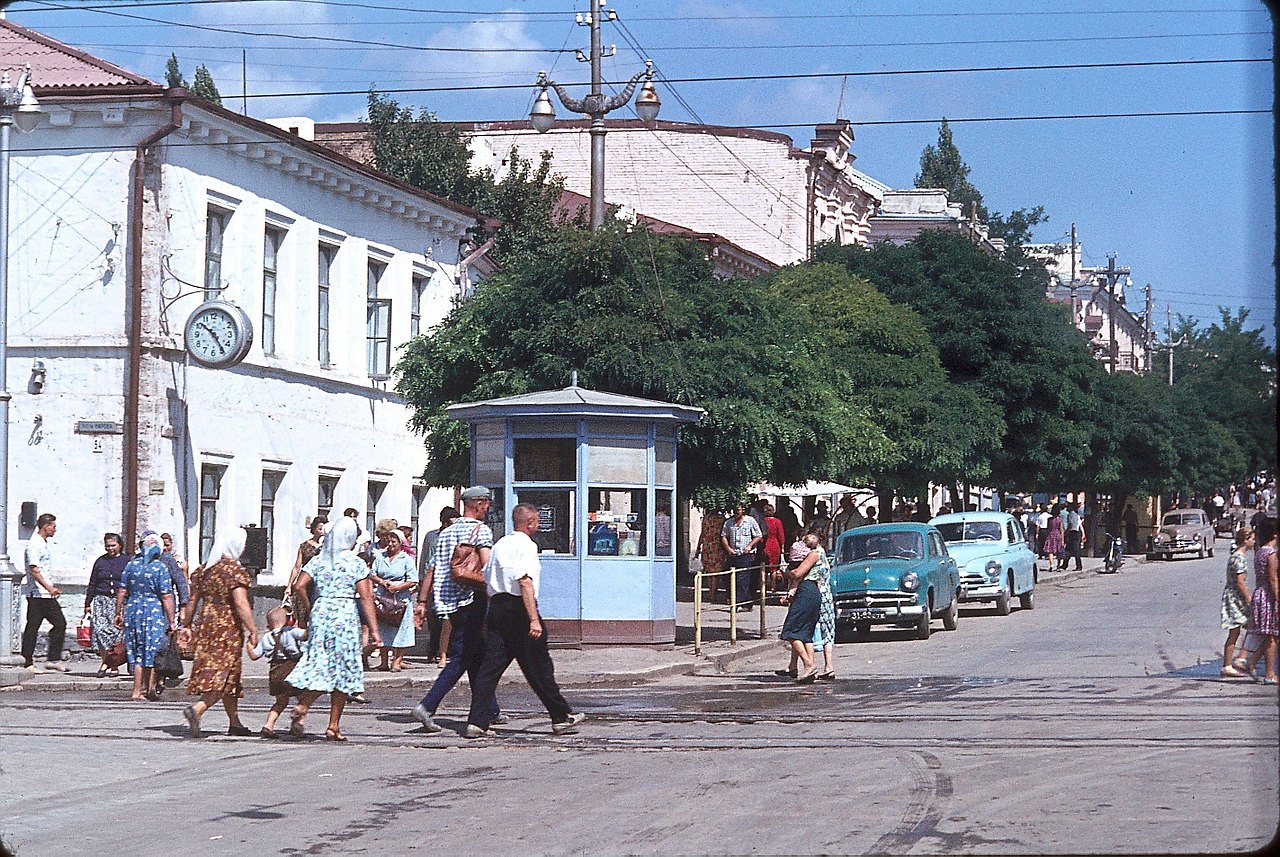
(218, 334)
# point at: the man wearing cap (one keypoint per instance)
(461, 604)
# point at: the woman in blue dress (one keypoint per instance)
(395, 575)
(144, 611)
(331, 662)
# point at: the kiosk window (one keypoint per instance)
(555, 518)
(618, 460)
(617, 521)
(546, 459)
(662, 539)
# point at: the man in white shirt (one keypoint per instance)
(42, 596)
(515, 629)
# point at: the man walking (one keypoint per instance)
(462, 605)
(846, 519)
(42, 597)
(515, 629)
(740, 536)
(1075, 537)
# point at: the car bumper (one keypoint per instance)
(1179, 547)
(980, 591)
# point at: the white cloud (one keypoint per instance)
(260, 16)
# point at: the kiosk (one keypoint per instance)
(601, 468)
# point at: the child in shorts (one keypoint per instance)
(282, 645)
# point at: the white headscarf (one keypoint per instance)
(230, 543)
(338, 537)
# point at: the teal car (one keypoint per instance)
(894, 574)
(995, 560)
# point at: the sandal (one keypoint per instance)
(786, 673)
(297, 728)
(334, 735)
(808, 679)
(193, 721)
(827, 676)
(264, 732)
(1231, 672)
(102, 672)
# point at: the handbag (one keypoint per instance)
(464, 563)
(169, 660)
(84, 633)
(116, 656)
(388, 608)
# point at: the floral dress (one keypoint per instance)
(218, 636)
(145, 623)
(826, 631)
(397, 570)
(1263, 619)
(712, 548)
(331, 661)
(1235, 610)
(1053, 543)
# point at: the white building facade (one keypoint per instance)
(130, 206)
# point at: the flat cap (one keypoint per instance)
(477, 492)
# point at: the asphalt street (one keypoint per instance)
(1094, 723)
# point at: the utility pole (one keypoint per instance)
(1171, 344)
(1147, 330)
(1113, 277)
(1074, 311)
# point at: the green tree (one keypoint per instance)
(173, 73)
(641, 314)
(878, 355)
(204, 86)
(941, 166)
(434, 156)
(998, 337)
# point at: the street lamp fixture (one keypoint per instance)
(595, 105)
(18, 107)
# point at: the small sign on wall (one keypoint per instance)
(156, 486)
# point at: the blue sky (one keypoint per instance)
(1187, 202)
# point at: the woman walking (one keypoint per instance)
(1263, 619)
(711, 550)
(307, 551)
(805, 611)
(221, 594)
(144, 611)
(395, 577)
(331, 662)
(1055, 547)
(1235, 601)
(100, 600)
(774, 538)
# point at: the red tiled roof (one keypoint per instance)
(55, 65)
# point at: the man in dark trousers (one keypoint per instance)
(515, 631)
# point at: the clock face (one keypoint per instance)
(218, 334)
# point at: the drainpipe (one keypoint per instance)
(812, 195)
(133, 318)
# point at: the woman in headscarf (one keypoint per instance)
(222, 590)
(144, 611)
(331, 662)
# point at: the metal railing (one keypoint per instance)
(732, 574)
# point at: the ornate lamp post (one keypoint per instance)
(18, 107)
(596, 105)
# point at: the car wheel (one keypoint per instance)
(953, 613)
(1027, 600)
(1002, 602)
(922, 626)
(1210, 550)
(1201, 551)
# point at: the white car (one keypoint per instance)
(994, 559)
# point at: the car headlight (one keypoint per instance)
(910, 582)
(1163, 537)
(993, 569)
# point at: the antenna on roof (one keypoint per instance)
(573, 378)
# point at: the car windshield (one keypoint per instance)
(901, 545)
(970, 531)
(1174, 520)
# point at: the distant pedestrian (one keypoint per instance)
(740, 536)
(1054, 546)
(1235, 601)
(221, 619)
(406, 542)
(307, 551)
(395, 576)
(166, 543)
(437, 628)
(515, 630)
(177, 577)
(463, 604)
(1130, 519)
(773, 547)
(1263, 619)
(145, 613)
(710, 551)
(1074, 538)
(331, 662)
(846, 518)
(100, 599)
(820, 523)
(42, 596)
(871, 515)
(282, 647)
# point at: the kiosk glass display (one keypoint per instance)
(616, 522)
(556, 511)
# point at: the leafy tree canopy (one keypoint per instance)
(941, 166)
(641, 314)
(434, 156)
(204, 86)
(173, 73)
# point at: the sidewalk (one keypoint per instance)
(595, 666)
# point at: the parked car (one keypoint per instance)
(1183, 531)
(993, 557)
(1232, 519)
(894, 574)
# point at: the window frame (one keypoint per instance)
(326, 259)
(272, 240)
(214, 247)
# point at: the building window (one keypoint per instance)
(271, 480)
(214, 230)
(415, 304)
(271, 240)
(210, 490)
(323, 278)
(378, 333)
(328, 486)
(616, 521)
(371, 504)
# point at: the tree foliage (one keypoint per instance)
(173, 73)
(641, 314)
(941, 166)
(203, 85)
(434, 156)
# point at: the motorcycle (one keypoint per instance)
(1113, 556)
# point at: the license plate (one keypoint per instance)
(857, 614)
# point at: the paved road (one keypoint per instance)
(1095, 723)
